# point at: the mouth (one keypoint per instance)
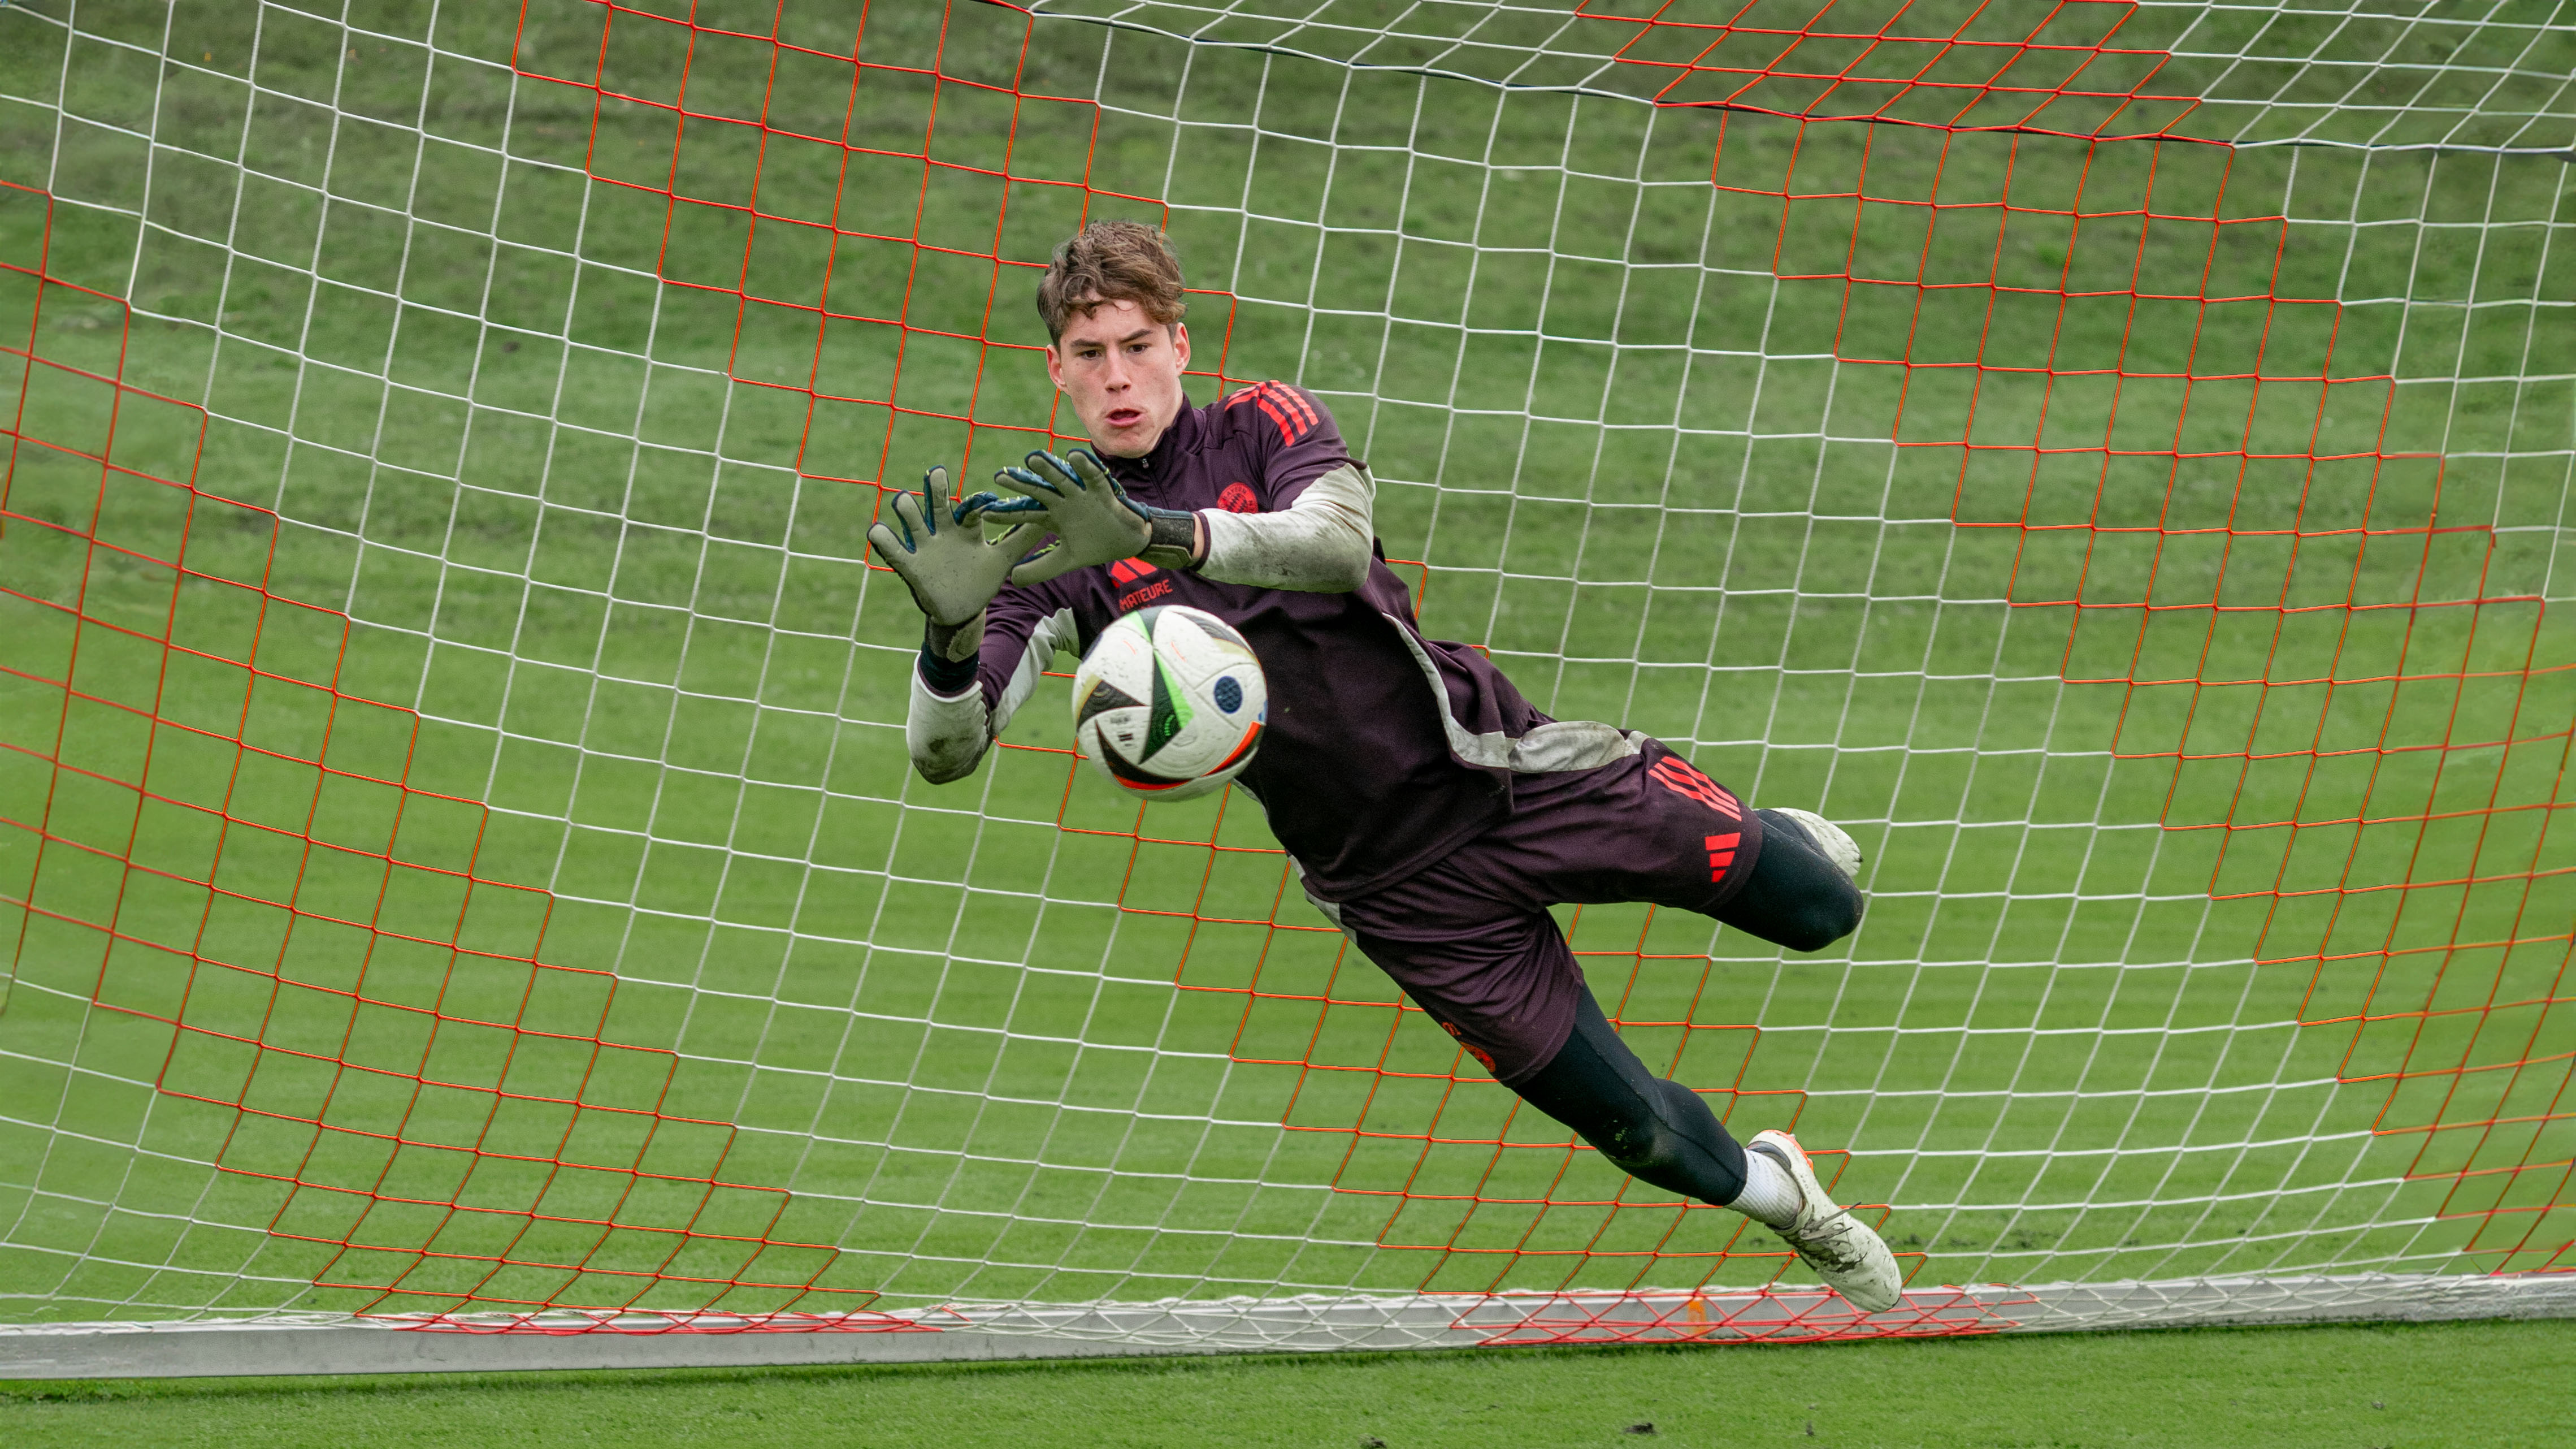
(1124, 417)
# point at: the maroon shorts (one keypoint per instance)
(1469, 938)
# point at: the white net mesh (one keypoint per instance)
(458, 861)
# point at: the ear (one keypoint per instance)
(1181, 342)
(1055, 365)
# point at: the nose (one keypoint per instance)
(1113, 375)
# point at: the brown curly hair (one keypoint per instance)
(1111, 261)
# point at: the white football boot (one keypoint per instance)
(1826, 836)
(1846, 1252)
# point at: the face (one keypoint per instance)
(1122, 371)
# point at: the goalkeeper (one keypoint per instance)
(1432, 813)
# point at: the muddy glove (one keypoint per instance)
(1093, 519)
(939, 550)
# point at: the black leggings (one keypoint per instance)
(1657, 1129)
(1796, 898)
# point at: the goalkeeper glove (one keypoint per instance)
(941, 554)
(1093, 519)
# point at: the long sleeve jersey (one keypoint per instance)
(1384, 749)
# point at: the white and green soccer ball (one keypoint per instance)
(1169, 703)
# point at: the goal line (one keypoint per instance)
(467, 900)
(969, 1333)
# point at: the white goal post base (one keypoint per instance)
(315, 1344)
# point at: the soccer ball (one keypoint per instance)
(1169, 703)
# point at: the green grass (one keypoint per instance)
(2452, 1384)
(527, 487)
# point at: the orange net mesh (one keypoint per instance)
(483, 882)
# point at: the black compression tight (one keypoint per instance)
(1656, 1129)
(1796, 898)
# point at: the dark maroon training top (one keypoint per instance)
(1356, 770)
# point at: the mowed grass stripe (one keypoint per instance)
(2448, 1384)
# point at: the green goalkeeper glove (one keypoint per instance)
(1093, 519)
(941, 553)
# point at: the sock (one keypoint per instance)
(1770, 1195)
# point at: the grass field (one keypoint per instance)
(2453, 1384)
(1861, 501)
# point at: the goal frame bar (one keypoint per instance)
(299, 1344)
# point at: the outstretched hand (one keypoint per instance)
(1093, 519)
(937, 547)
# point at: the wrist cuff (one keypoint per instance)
(944, 675)
(1172, 539)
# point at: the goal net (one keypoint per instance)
(459, 864)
